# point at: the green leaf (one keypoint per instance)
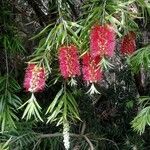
(141, 120)
(72, 101)
(55, 112)
(2, 103)
(42, 32)
(47, 63)
(53, 104)
(5, 146)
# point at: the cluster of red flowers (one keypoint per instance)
(90, 68)
(68, 61)
(128, 45)
(102, 43)
(102, 40)
(34, 78)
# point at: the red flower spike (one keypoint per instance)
(90, 69)
(68, 61)
(35, 77)
(102, 40)
(128, 45)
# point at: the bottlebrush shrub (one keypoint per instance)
(90, 68)
(68, 61)
(102, 40)
(128, 44)
(35, 77)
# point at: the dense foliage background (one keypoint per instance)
(33, 30)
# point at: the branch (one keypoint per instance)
(89, 142)
(72, 135)
(78, 136)
(83, 128)
(104, 139)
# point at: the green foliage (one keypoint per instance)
(140, 59)
(62, 108)
(141, 120)
(143, 117)
(9, 102)
(12, 44)
(32, 109)
(22, 138)
(5, 146)
(133, 142)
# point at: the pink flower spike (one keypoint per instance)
(91, 69)
(102, 40)
(68, 61)
(35, 77)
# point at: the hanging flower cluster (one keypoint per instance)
(68, 61)
(35, 77)
(90, 68)
(128, 45)
(102, 40)
(102, 44)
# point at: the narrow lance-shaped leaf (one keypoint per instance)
(56, 112)
(53, 104)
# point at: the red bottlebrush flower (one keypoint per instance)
(102, 40)
(35, 77)
(68, 61)
(90, 68)
(128, 45)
